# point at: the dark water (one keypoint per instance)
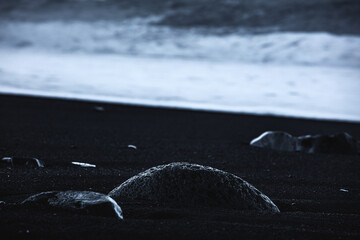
(333, 16)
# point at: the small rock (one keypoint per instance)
(343, 190)
(79, 201)
(132, 146)
(185, 184)
(281, 141)
(341, 143)
(99, 108)
(83, 164)
(21, 162)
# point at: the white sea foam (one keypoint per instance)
(306, 91)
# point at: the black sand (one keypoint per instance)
(305, 187)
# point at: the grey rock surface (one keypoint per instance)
(277, 140)
(183, 184)
(80, 201)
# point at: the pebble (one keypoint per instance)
(81, 164)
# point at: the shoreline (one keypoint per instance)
(139, 103)
(214, 85)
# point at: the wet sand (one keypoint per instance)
(305, 187)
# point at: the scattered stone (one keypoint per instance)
(21, 162)
(132, 146)
(343, 190)
(79, 201)
(83, 164)
(99, 108)
(185, 184)
(281, 141)
(341, 143)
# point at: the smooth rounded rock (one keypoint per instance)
(80, 201)
(184, 184)
(277, 140)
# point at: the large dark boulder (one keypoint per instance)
(79, 201)
(188, 185)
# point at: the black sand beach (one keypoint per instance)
(305, 187)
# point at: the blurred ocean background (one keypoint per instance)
(283, 57)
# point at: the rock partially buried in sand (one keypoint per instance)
(281, 141)
(80, 201)
(185, 184)
(341, 143)
(21, 162)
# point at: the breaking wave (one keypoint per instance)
(141, 38)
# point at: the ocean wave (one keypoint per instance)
(333, 16)
(138, 37)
